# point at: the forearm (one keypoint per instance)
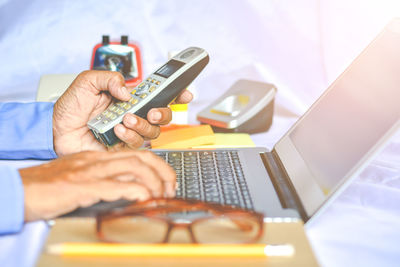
(11, 201)
(26, 130)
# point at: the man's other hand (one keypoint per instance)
(83, 179)
(89, 95)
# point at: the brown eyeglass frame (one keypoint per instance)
(152, 207)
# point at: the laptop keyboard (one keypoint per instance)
(211, 176)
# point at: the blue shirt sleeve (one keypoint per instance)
(26, 130)
(11, 201)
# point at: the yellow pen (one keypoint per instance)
(171, 250)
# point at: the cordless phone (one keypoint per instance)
(158, 90)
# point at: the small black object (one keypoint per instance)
(106, 40)
(124, 39)
(99, 207)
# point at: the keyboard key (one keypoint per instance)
(213, 176)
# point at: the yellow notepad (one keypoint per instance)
(229, 140)
(185, 138)
(82, 230)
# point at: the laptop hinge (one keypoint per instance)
(283, 186)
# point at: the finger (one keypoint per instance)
(110, 81)
(184, 97)
(165, 171)
(125, 177)
(128, 136)
(141, 126)
(140, 170)
(159, 116)
(94, 156)
(111, 190)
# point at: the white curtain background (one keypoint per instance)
(300, 46)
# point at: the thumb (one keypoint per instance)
(110, 81)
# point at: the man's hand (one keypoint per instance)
(90, 94)
(83, 179)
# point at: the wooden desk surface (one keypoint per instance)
(83, 230)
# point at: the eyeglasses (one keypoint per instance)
(152, 221)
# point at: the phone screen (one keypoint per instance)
(169, 68)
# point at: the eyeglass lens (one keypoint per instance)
(138, 229)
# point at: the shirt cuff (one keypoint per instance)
(27, 131)
(50, 144)
(11, 201)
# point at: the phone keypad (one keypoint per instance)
(126, 106)
(133, 101)
(140, 92)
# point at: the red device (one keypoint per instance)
(122, 56)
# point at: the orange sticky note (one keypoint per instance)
(170, 127)
(185, 138)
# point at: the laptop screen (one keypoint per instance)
(358, 110)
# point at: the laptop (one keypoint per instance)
(318, 157)
(315, 160)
